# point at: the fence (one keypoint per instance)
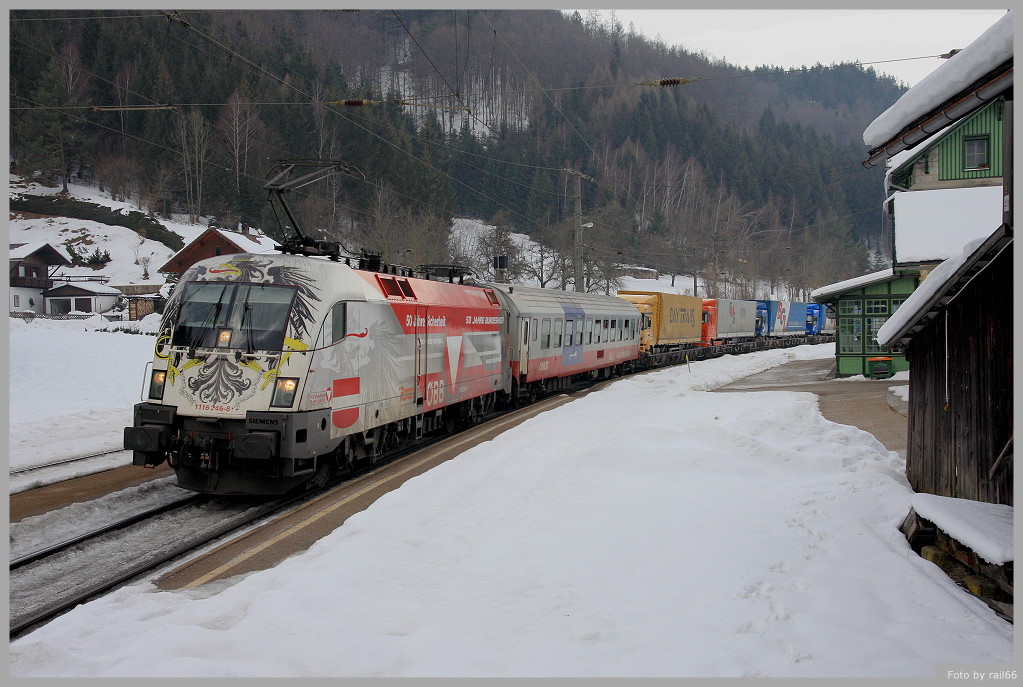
(28, 316)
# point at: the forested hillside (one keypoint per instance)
(499, 115)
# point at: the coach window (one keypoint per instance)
(579, 332)
(588, 338)
(605, 331)
(569, 332)
(536, 327)
(557, 332)
(614, 330)
(545, 334)
(339, 321)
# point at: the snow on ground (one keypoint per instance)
(648, 529)
(72, 383)
(900, 391)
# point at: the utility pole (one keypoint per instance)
(579, 226)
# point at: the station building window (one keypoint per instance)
(975, 152)
(877, 306)
(873, 324)
(850, 307)
(850, 336)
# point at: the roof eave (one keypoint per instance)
(980, 259)
(963, 103)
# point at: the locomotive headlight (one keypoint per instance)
(223, 338)
(156, 382)
(284, 392)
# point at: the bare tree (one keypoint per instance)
(542, 264)
(238, 125)
(192, 136)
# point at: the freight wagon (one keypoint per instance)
(729, 323)
(785, 318)
(672, 324)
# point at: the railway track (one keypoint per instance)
(64, 461)
(47, 582)
(55, 579)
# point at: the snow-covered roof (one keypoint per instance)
(826, 292)
(983, 55)
(91, 286)
(250, 243)
(932, 291)
(20, 251)
(931, 226)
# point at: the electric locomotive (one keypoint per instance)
(274, 370)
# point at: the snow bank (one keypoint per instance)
(986, 528)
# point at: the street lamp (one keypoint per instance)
(579, 254)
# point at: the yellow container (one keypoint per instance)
(673, 319)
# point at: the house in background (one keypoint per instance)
(32, 266)
(947, 190)
(81, 296)
(211, 243)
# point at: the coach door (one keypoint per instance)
(524, 347)
(422, 354)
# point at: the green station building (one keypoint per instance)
(859, 307)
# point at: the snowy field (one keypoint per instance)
(649, 529)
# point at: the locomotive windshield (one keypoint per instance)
(252, 317)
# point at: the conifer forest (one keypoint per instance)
(530, 120)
